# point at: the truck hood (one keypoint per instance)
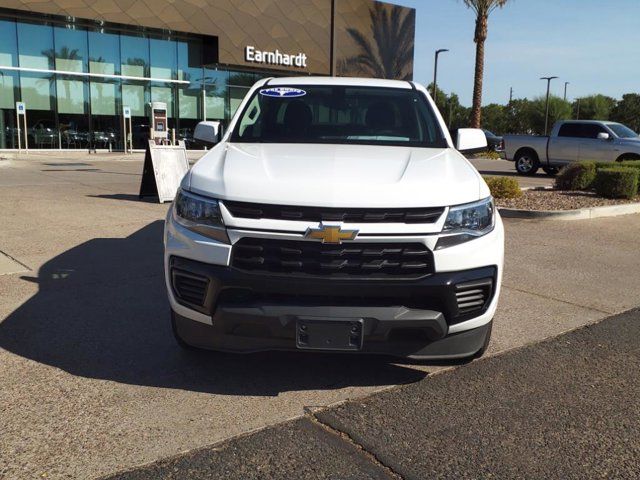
(633, 142)
(336, 175)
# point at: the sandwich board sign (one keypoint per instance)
(164, 167)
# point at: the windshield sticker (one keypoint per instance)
(282, 92)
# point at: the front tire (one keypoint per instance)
(527, 162)
(627, 157)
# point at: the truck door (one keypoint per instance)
(594, 148)
(564, 147)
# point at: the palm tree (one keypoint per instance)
(482, 9)
(390, 55)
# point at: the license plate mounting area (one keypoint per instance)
(340, 334)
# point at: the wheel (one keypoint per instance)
(627, 157)
(553, 171)
(527, 162)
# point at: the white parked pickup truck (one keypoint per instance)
(335, 214)
(572, 141)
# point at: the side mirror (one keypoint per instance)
(471, 140)
(207, 133)
(603, 136)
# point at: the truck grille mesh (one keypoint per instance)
(320, 214)
(473, 296)
(189, 287)
(408, 260)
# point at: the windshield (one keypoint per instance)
(339, 114)
(622, 131)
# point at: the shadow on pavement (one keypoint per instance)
(127, 197)
(101, 312)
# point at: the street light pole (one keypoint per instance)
(546, 117)
(565, 90)
(435, 75)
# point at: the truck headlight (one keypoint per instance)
(467, 222)
(200, 215)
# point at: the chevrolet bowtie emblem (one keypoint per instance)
(331, 234)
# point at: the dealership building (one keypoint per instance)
(75, 66)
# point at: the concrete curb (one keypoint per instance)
(581, 214)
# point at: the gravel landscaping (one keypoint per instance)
(559, 200)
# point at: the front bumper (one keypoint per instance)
(253, 313)
(249, 312)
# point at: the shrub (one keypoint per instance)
(504, 187)
(490, 154)
(617, 182)
(576, 176)
(625, 164)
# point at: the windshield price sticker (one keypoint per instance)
(282, 92)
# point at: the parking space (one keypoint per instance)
(92, 381)
(503, 168)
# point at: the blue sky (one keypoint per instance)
(594, 44)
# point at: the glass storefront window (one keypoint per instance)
(71, 93)
(8, 83)
(163, 59)
(134, 55)
(8, 96)
(136, 95)
(133, 96)
(161, 92)
(8, 44)
(189, 95)
(104, 53)
(71, 49)
(74, 111)
(238, 86)
(37, 90)
(216, 93)
(35, 46)
(104, 97)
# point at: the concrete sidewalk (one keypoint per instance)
(566, 408)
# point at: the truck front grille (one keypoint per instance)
(321, 214)
(371, 260)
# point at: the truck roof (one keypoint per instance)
(344, 81)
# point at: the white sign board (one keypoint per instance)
(21, 108)
(164, 167)
(126, 111)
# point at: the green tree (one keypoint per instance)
(627, 111)
(494, 118)
(455, 115)
(482, 9)
(518, 117)
(559, 109)
(594, 107)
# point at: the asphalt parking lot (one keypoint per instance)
(92, 382)
(561, 409)
(504, 168)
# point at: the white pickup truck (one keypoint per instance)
(335, 214)
(572, 141)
